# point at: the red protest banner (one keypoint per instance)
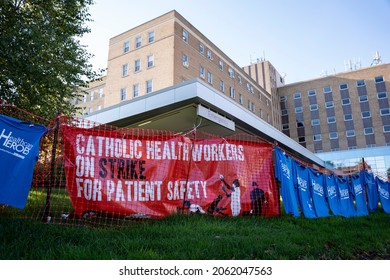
(155, 176)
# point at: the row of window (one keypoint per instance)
(297, 95)
(90, 110)
(350, 133)
(137, 65)
(136, 90)
(138, 42)
(332, 119)
(91, 95)
(328, 89)
(330, 104)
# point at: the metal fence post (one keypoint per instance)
(47, 215)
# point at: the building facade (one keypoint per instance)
(339, 112)
(167, 51)
(265, 74)
(341, 118)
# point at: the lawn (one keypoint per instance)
(197, 237)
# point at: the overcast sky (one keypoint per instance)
(301, 38)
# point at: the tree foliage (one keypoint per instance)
(42, 63)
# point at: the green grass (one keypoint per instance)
(202, 238)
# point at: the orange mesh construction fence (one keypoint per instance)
(100, 175)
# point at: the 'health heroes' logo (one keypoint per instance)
(14, 145)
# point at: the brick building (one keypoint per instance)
(337, 117)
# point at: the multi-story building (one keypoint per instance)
(265, 74)
(167, 51)
(341, 112)
(329, 116)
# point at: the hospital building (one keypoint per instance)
(165, 74)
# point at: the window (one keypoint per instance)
(251, 106)
(348, 117)
(345, 101)
(138, 42)
(385, 111)
(297, 95)
(298, 110)
(150, 60)
(261, 113)
(232, 93)
(125, 70)
(315, 122)
(379, 79)
(135, 90)
(360, 83)
(222, 86)
(201, 48)
(285, 126)
(282, 98)
(300, 124)
(149, 86)
(241, 99)
(366, 114)
(209, 77)
(301, 139)
(267, 102)
(91, 95)
(251, 88)
(239, 79)
(84, 98)
(268, 118)
(151, 37)
(221, 65)
(333, 135)
(368, 131)
(201, 72)
(350, 133)
(137, 65)
(327, 89)
(363, 98)
(313, 107)
(386, 128)
(209, 55)
(100, 91)
(284, 112)
(343, 86)
(126, 47)
(231, 72)
(184, 59)
(331, 119)
(382, 95)
(123, 93)
(185, 36)
(311, 92)
(317, 137)
(329, 104)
